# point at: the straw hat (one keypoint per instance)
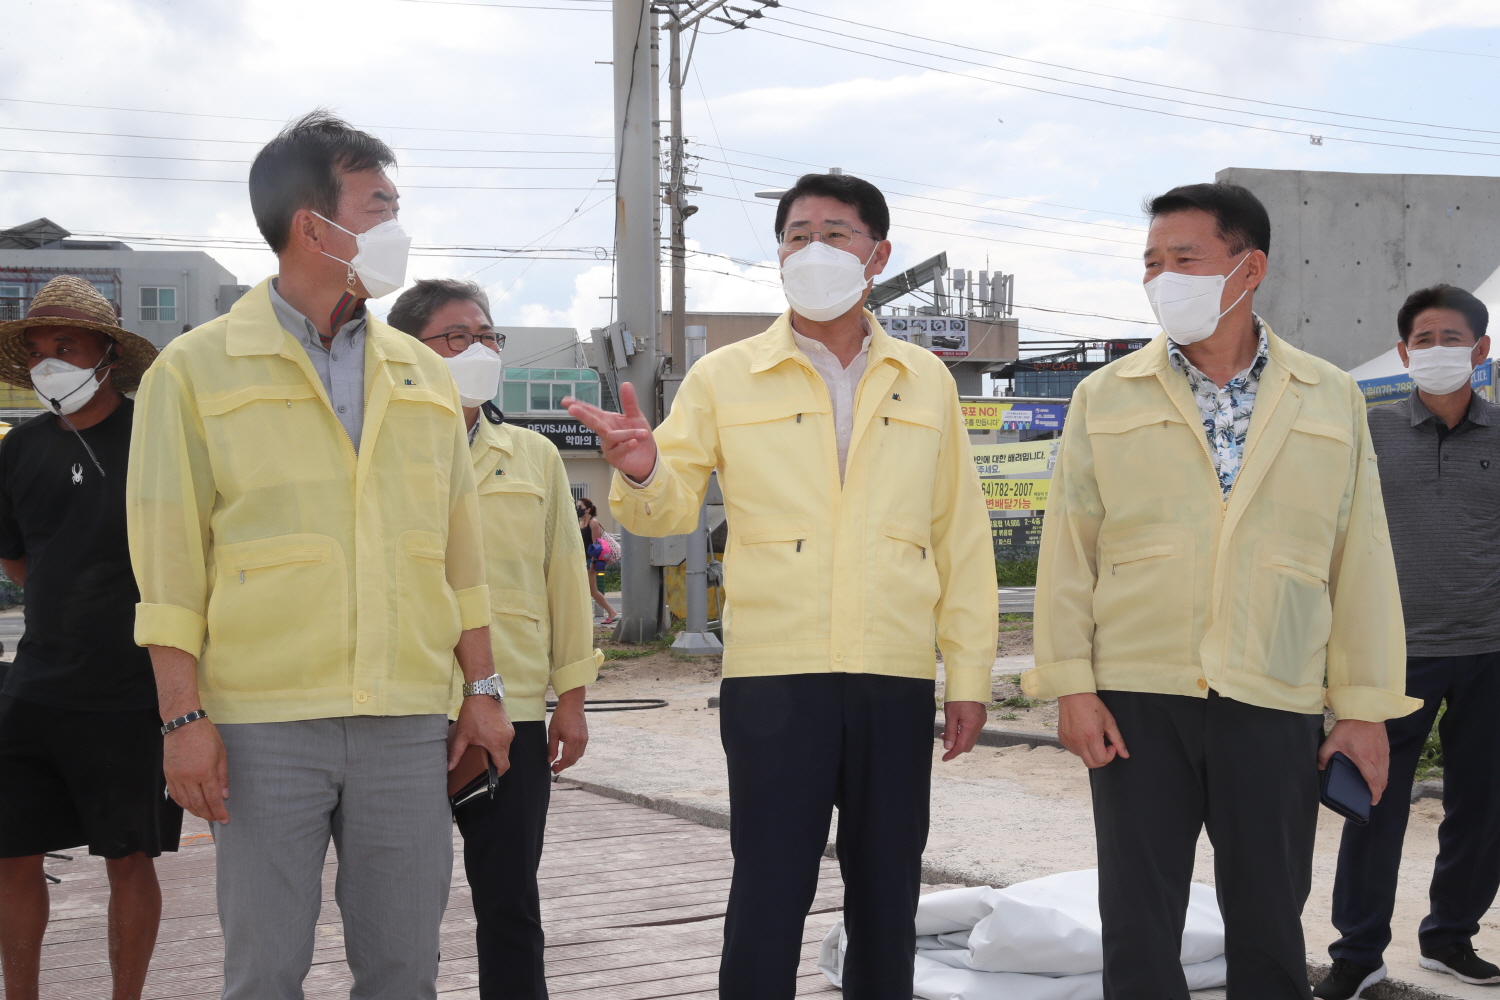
(68, 300)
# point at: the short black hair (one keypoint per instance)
(300, 169)
(1242, 219)
(415, 306)
(1442, 297)
(857, 192)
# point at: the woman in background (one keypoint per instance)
(593, 534)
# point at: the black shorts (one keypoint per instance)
(70, 778)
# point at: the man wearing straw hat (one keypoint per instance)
(80, 746)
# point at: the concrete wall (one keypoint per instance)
(542, 347)
(1347, 249)
(194, 274)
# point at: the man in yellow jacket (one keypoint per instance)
(858, 541)
(305, 532)
(1215, 569)
(541, 631)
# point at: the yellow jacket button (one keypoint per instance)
(1202, 685)
(839, 657)
(362, 697)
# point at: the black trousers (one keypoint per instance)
(799, 745)
(1251, 776)
(1467, 872)
(502, 849)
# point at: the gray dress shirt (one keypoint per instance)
(1442, 502)
(340, 366)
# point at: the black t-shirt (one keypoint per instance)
(79, 649)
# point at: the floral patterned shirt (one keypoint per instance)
(1225, 412)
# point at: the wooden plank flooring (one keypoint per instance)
(633, 901)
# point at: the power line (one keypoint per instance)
(1112, 76)
(205, 159)
(280, 121)
(1279, 31)
(1128, 107)
(221, 180)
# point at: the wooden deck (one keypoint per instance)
(633, 901)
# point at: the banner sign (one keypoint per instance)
(1013, 416)
(1015, 494)
(567, 435)
(995, 460)
(1016, 538)
(1394, 387)
(943, 336)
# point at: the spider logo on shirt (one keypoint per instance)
(77, 474)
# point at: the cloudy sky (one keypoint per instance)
(1015, 135)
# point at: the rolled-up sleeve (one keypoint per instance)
(169, 496)
(1367, 640)
(1067, 567)
(968, 611)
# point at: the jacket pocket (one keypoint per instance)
(1144, 595)
(516, 608)
(278, 617)
(903, 598)
(772, 571)
(512, 514)
(1290, 611)
(427, 620)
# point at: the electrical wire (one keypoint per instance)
(1109, 76)
(204, 159)
(1129, 107)
(220, 180)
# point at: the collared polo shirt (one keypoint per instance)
(1442, 501)
(340, 365)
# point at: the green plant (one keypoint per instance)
(1430, 763)
(1020, 701)
(1020, 573)
(1010, 716)
(609, 580)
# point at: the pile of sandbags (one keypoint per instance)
(1036, 940)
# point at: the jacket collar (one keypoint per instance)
(1479, 410)
(777, 345)
(255, 329)
(493, 437)
(1153, 358)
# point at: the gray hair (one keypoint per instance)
(414, 309)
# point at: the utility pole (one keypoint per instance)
(637, 268)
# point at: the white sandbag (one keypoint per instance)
(1037, 940)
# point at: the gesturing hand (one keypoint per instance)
(628, 444)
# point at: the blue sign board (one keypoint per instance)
(1394, 387)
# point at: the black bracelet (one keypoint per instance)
(183, 720)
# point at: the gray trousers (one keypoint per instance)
(376, 785)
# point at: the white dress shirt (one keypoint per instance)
(842, 383)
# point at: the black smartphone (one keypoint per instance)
(1345, 790)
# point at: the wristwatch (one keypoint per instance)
(491, 685)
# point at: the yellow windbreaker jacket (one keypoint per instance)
(1282, 597)
(541, 615)
(862, 578)
(309, 581)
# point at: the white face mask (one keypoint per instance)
(1441, 370)
(1187, 305)
(381, 260)
(476, 372)
(822, 283)
(65, 388)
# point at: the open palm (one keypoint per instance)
(628, 444)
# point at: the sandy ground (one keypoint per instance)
(999, 815)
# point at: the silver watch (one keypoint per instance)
(491, 685)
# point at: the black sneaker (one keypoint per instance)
(1460, 962)
(1346, 980)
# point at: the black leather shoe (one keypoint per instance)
(1460, 962)
(1346, 980)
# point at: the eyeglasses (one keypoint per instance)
(837, 237)
(463, 341)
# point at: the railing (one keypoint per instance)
(12, 309)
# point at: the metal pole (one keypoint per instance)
(696, 639)
(637, 267)
(676, 192)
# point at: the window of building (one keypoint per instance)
(158, 305)
(542, 390)
(12, 302)
(579, 490)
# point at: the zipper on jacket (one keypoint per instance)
(799, 544)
